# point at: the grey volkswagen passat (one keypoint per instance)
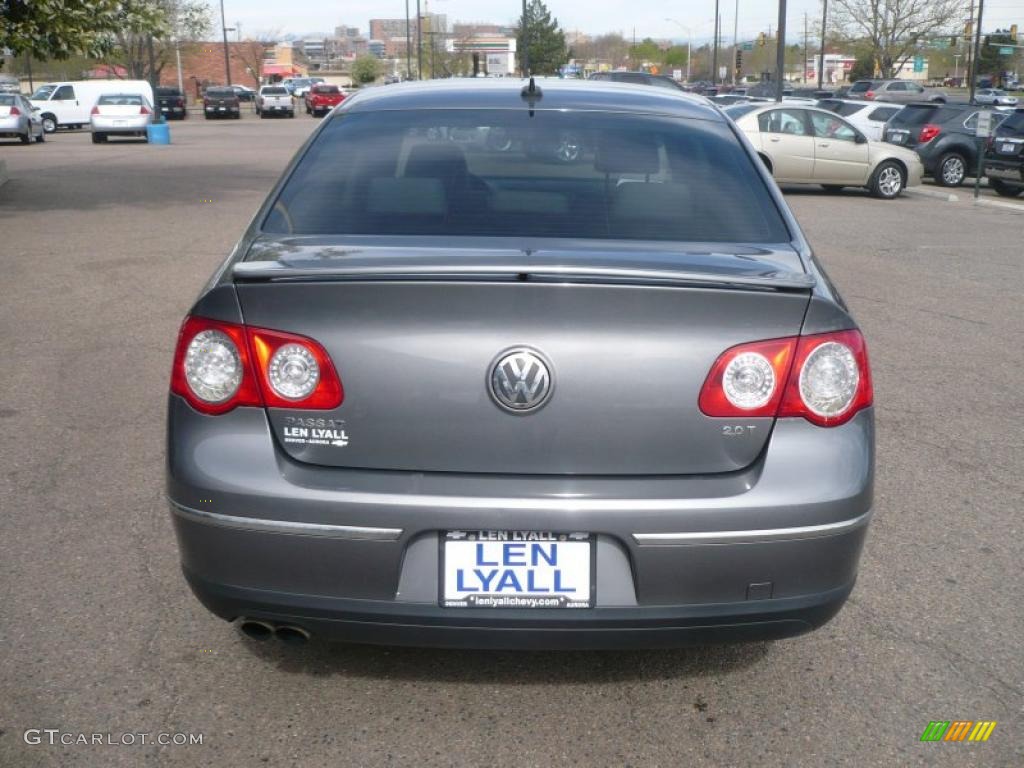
(481, 394)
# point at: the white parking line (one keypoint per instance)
(925, 192)
(1018, 207)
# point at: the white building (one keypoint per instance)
(497, 52)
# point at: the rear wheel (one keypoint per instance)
(27, 138)
(49, 123)
(99, 138)
(41, 137)
(1003, 189)
(292, 113)
(888, 180)
(952, 170)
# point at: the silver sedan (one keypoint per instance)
(19, 119)
(120, 114)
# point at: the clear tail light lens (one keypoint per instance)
(219, 366)
(824, 378)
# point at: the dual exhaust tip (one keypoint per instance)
(289, 634)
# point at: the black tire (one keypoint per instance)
(292, 113)
(99, 138)
(1003, 189)
(951, 170)
(884, 183)
(27, 138)
(49, 124)
(207, 116)
(832, 188)
(41, 137)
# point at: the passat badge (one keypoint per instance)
(520, 380)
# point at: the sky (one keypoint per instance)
(310, 17)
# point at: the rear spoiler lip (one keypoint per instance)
(273, 271)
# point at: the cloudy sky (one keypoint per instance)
(307, 17)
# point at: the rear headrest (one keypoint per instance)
(406, 197)
(624, 153)
(436, 161)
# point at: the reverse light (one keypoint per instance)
(824, 378)
(219, 366)
(928, 132)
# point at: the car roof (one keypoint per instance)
(506, 93)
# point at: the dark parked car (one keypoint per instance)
(221, 102)
(942, 135)
(1004, 158)
(244, 92)
(637, 78)
(444, 395)
(171, 103)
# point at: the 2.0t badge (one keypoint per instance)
(520, 380)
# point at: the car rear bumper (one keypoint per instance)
(1005, 170)
(119, 124)
(13, 126)
(771, 551)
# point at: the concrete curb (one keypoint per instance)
(947, 196)
(1017, 207)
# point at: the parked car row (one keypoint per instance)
(1004, 156)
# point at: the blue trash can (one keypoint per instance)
(158, 133)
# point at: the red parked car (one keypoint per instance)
(321, 99)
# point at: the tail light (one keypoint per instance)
(928, 132)
(869, 96)
(179, 103)
(144, 110)
(219, 366)
(15, 112)
(824, 378)
(95, 111)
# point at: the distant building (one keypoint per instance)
(837, 67)
(497, 52)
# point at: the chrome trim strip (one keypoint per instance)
(350, 532)
(743, 537)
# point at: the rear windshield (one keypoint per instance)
(121, 99)
(505, 173)
(6, 99)
(168, 92)
(325, 89)
(220, 93)
(275, 91)
(843, 108)
(736, 111)
(915, 114)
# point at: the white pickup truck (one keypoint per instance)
(274, 100)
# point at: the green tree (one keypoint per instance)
(365, 69)
(164, 20)
(57, 29)
(547, 49)
(863, 67)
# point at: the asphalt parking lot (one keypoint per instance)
(103, 250)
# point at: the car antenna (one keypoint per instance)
(532, 93)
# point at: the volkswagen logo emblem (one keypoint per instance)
(520, 380)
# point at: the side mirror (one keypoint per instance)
(861, 139)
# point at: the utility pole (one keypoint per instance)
(227, 60)
(714, 57)
(419, 42)
(780, 52)
(525, 57)
(969, 58)
(735, 41)
(821, 57)
(806, 49)
(408, 43)
(977, 48)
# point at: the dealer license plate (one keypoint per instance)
(1007, 149)
(517, 569)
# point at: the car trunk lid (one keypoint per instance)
(414, 334)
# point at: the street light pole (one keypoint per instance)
(714, 57)
(735, 42)
(977, 49)
(408, 42)
(780, 51)
(227, 60)
(525, 58)
(419, 42)
(821, 50)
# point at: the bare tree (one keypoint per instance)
(158, 23)
(252, 53)
(894, 28)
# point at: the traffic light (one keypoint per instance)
(739, 61)
(762, 39)
(968, 29)
(1013, 32)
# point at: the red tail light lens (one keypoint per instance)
(869, 96)
(928, 132)
(824, 378)
(219, 366)
(294, 371)
(95, 111)
(144, 110)
(15, 112)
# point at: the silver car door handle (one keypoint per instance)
(774, 138)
